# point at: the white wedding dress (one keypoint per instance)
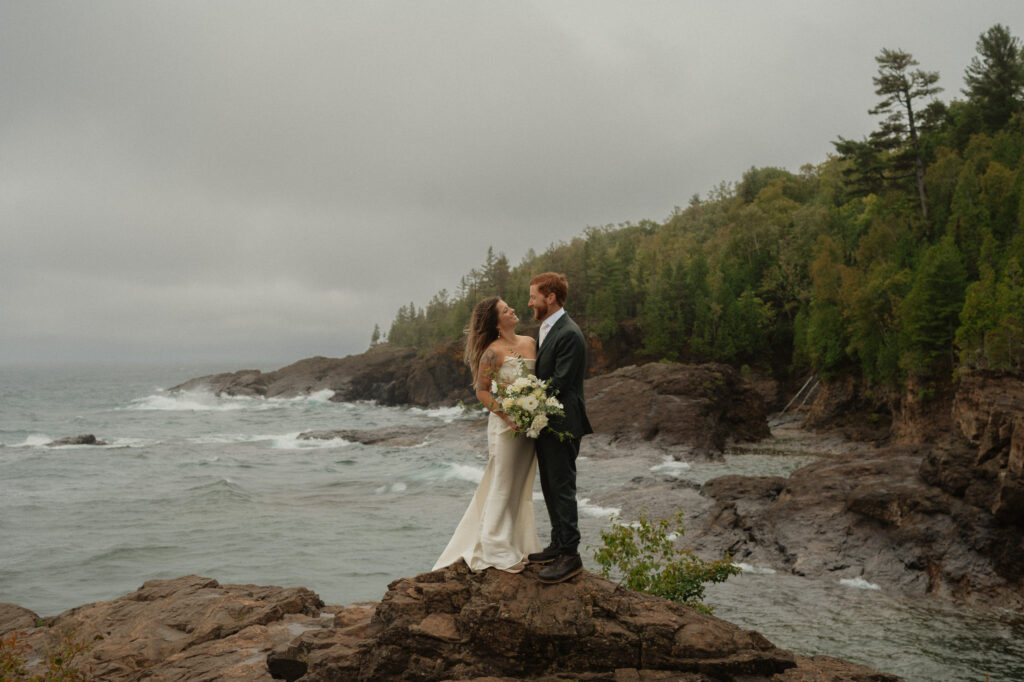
(498, 529)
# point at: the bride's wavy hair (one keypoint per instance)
(481, 332)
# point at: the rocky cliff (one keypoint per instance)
(388, 374)
(935, 506)
(445, 625)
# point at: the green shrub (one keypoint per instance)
(59, 662)
(645, 557)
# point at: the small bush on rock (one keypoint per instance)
(645, 557)
(59, 662)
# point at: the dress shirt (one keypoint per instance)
(547, 324)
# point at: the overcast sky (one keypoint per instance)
(257, 182)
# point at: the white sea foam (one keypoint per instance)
(670, 467)
(204, 401)
(36, 440)
(859, 583)
(197, 401)
(585, 508)
(595, 511)
(397, 487)
(464, 472)
(446, 414)
(754, 570)
(287, 441)
(291, 441)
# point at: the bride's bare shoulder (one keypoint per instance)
(526, 346)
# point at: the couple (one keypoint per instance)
(497, 530)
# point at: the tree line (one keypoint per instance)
(901, 256)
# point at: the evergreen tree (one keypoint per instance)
(995, 77)
(929, 315)
(894, 150)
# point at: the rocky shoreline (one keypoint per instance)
(449, 624)
(932, 504)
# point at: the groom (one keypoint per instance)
(562, 358)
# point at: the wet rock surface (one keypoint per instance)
(84, 439)
(865, 513)
(448, 624)
(403, 436)
(696, 407)
(386, 374)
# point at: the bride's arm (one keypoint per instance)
(489, 366)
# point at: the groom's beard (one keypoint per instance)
(540, 312)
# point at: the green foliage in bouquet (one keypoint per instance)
(646, 558)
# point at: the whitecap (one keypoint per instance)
(754, 570)
(323, 396)
(197, 401)
(291, 441)
(132, 443)
(595, 511)
(859, 583)
(36, 440)
(397, 487)
(220, 439)
(670, 467)
(447, 414)
(464, 472)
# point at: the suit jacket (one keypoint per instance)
(563, 360)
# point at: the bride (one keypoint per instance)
(498, 529)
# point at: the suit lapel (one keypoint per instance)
(549, 339)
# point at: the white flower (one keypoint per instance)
(529, 403)
(553, 402)
(494, 386)
(507, 404)
(537, 425)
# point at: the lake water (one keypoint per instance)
(222, 487)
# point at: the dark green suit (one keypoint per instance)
(563, 359)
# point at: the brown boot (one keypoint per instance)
(561, 569)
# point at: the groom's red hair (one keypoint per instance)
(552, 283)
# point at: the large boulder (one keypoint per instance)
(190, 628)
(701, 407)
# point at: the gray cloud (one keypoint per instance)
(257, 182)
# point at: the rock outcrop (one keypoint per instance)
(84, 439)
(445, 625)
(700, 407)
(190, 628)
(866, 514)
(988, 409)
(390, 375)
(399, 436)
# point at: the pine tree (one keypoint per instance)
(995, 77)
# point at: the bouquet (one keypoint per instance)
(530, 404)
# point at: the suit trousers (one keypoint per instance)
(556, 461)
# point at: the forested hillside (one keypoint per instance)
(898, 257)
